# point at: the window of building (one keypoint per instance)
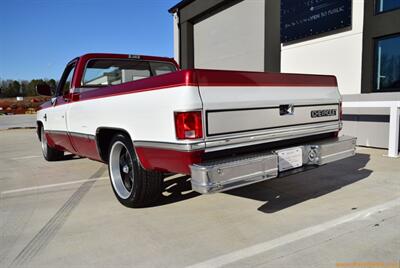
(386, 5)
(387, 64)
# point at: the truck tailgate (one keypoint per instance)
(273, 105)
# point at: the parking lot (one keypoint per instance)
(17, 121)
(64, 214)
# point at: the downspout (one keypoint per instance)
(177, 37)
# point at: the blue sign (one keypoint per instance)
(304, 18)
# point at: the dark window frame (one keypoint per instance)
(375, 27)
(71, 66)
(377, 12)
(375, 65)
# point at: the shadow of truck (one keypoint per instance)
(281, 193)
(288, 191)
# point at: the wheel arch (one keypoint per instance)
(103, 140)
(39, 125)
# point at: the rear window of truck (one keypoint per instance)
(105, 72)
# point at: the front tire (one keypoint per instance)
(132, 185)
(50, 154)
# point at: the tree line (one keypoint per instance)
(23, 88)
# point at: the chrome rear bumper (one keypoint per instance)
(222, 175)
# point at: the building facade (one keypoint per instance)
(358, 41)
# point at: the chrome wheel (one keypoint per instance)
(44, 142)
(121, 170)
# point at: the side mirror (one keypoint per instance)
(44, 89)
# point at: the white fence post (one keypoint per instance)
(394, 132)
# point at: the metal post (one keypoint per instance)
(394, 131)
(176, 37)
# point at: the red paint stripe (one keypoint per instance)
(51, 140)
(86, 147)
(175, 79)
(68, 142)
(220, 78)
(211, 78)
(59, 141)
(165, 160)
(207, 78)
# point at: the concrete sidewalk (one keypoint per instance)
(17, 121)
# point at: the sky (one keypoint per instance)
(38, 37)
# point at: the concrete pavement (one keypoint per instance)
(17, 121)
(64, 214)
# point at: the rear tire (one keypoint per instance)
(50, 154)
(132, 185)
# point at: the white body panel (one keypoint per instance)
(146, 115)
(56, 118)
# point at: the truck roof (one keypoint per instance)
(126, 56)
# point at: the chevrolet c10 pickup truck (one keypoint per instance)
(147, 119)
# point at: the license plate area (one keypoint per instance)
(289, 158)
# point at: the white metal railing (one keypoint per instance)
(394, 124)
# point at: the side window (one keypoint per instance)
(66, 80)
(159, 68)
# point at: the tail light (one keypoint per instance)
(188, 125)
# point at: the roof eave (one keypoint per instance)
(179, 5)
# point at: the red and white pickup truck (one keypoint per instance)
(146, 118)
